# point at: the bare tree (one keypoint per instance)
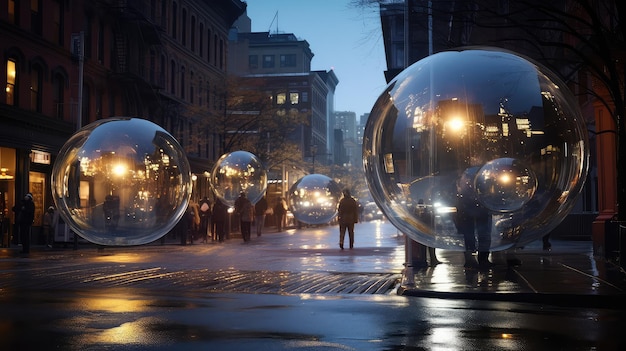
(247, 119)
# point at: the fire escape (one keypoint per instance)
(136, 51)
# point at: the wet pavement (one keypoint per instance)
(296, 290)
(308, 260)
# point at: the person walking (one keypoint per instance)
(24, 217)
(280, 211)
(245, 210)
(205, 218)
(260, 208)
(48, 226)
(473, 220)
(348, 215)
(218, 219)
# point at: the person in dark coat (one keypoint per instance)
(245, 210)
(473, 220)
(280, 211)
(348, 215)
(24, 217)
(219, 218)
(260, 208)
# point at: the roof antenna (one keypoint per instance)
(274, 19)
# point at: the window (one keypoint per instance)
(182, 83)
(100, 44)
(174, 24)
(13, 15)
(200, 39)
(268, 61)
(87, 29)
(35, 16)
(253, 61)
(36, 78)
(288, 60)
(208, 46)
(294, 98)
(305, 96)
(173, 77)
(58, 82)
(183, 30)
(193, 33)
(281, 98)
(191, 87)
(57, 22)
(11, 82)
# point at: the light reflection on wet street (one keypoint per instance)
(139, 320)
(294, 290)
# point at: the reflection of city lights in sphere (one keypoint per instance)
(239, 171)
(121, 181)
(471, 132)
(313, 199)
(504, 185)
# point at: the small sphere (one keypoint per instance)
(121, 181)
(313, 199)
(236, 172)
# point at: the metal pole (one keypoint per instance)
(79, 119)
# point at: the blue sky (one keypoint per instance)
(342, 37)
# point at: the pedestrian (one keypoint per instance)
(219, 218)
(245, 210)
(427, 218)
(205, 218)
(473, 220)
(348, 215)
(280, 211)
(547, 246)
(260, 209)
(48, 226)
(24, 217)
(194, 221)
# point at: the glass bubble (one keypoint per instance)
(236, 172)
(504, 185)
(121, 181)
(313, 199)
(475, 133)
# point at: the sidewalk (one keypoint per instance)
(567, 275)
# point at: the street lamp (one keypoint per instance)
(313, 152)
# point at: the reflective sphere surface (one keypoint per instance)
(238, 171)
(121, 181)
(475, 147)
(314, 198)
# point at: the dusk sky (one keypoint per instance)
(343, 38)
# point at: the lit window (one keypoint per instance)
(11, 79)
(281, 99)
(294, 98)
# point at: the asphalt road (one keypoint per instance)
(270, 294)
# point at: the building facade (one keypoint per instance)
(69, 63)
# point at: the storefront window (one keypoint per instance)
(7, 192)
(37, 187)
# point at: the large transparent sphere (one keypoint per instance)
(475, 147)
(121, 181)
(236, 172)
(314, 198)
